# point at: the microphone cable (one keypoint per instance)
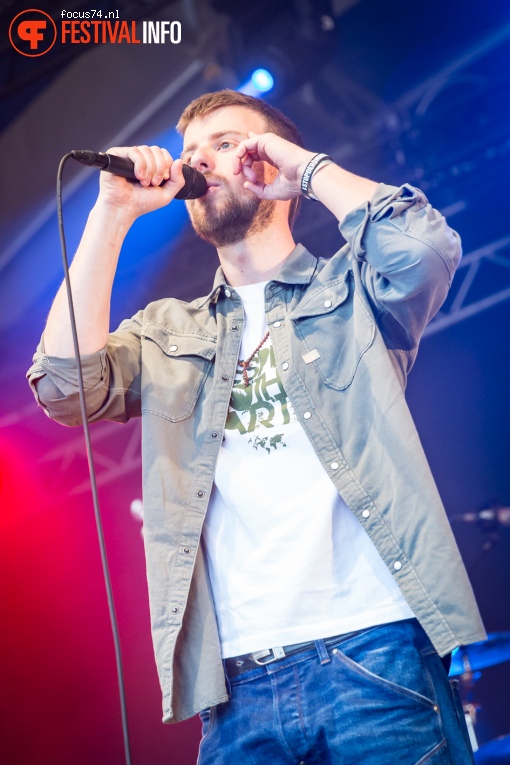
(92, 472)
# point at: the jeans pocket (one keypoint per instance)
(387, 695)
(402, 687)
(388, 657)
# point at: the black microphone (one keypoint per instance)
(195, 184)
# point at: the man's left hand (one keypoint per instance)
(289, 160)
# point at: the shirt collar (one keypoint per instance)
(298, 268)
(219, 282)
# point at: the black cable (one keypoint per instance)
(92, 472)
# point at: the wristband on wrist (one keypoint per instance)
(310, 169)
(327, 161)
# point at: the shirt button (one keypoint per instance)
(307, 415)
(277, 324)
(235, 327)
(224, 378)
(334, 466)
(366, 514)
(397, 565)
(175, 610)
(285, 366)
(186, 549)
(327, 304)
(228, 293)
(200, 493)
(214, 435)
(173, 348)
(45, 361)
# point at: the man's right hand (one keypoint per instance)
(152, 166)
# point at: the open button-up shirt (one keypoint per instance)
(345, 332)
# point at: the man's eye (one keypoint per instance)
(225, 145)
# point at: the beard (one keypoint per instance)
(230, 218)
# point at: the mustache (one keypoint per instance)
(215, 178)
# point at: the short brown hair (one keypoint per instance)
(276, 122)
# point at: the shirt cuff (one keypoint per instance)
(63, 371)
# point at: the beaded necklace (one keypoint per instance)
(246, 364)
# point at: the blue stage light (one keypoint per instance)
(262, 80)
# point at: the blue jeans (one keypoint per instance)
(376, 697)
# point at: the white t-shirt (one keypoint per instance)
(288, 561)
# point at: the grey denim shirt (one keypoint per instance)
(345, 332)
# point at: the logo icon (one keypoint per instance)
(32, 33)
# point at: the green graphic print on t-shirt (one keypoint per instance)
(261, 404)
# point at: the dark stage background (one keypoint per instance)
(398, 91)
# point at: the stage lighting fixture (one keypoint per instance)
(262, 80)
(292, 40)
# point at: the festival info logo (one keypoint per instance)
(32, 33)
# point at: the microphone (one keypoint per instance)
(195, 184)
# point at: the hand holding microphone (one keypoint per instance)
(195, 184)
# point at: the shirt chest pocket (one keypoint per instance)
(335, 329)
(175, 368)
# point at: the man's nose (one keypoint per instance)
(202, 159)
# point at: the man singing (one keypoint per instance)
(304, 581)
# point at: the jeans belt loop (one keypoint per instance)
(320, 645)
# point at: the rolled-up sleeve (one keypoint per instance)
(111, 379)
(408, 255)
